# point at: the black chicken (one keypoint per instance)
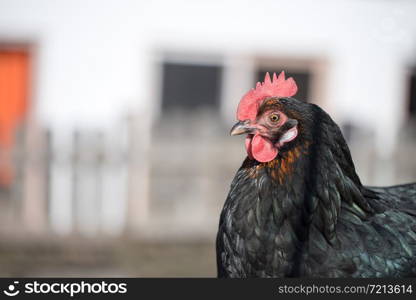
(297, 208)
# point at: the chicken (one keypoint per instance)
(297, 208)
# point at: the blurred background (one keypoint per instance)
(115, 158)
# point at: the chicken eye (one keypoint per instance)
(274, 118)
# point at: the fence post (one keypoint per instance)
(138, 206)
(34, 181)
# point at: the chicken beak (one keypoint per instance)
(241, 127)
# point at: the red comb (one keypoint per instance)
(279, 87)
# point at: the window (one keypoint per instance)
(412, 95)
(190, 86)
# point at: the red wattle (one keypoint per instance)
(262, 149)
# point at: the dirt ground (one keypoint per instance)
(106, 258)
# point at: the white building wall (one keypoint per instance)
(96, 53)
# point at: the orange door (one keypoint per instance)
(14, 84)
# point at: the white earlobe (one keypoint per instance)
(288, 135)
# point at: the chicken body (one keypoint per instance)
(306, 213)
